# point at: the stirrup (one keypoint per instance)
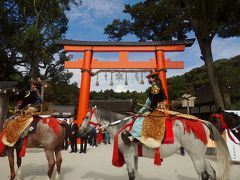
(124, 136)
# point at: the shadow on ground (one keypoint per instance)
(34, 150)
(101, 176)
(41, 170)
(181, 177)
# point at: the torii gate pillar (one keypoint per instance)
(83, 100)
(160, 66)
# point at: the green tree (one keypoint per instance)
(59, 90)
(165, 20)
(27, 33)
(227, 70)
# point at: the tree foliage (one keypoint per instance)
(137, 97)
(227, 71)
(166, 20)
(28, 29)
(27, 33)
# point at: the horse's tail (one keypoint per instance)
(64, 128)
(222, 153)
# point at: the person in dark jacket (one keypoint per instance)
(73, 129)
(65, 141)
(83, 145)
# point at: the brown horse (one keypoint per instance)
(49, 134)
(226, 121)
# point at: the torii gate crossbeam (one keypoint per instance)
(88, 63)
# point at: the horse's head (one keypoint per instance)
(215, 119)
(89, 122)
(226, 120)
(96, 117)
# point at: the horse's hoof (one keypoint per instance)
(57, 177)
(19, 174)
(47, 178)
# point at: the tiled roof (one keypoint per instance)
(61, 109)
(204, 96)
(116, 105)
(8, 86)
(186, 42)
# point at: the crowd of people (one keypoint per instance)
(90, 141)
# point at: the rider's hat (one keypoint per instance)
(152, 74)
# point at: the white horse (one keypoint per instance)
(194, 147)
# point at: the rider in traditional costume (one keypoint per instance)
(15, 128)
(32, 97)
(155, 99)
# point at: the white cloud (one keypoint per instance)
(92, 12)
(102, 7)
(225, 48)
(122, 88)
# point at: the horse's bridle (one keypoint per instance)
(224, 126)
(220, 117)
(92, 111)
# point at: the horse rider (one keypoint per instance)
(156, 98)
(32, 99)
(15, 126)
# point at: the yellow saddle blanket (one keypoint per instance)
(153, 129)
(14, 128)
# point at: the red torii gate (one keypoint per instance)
(88, 63)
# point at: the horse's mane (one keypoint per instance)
(229, 115)
(108, 115)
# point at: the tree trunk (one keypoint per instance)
(4, 98)
(34, 69)
(206, 51)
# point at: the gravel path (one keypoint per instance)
(96, 165)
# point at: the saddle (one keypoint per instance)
(153, 129)
(15, 128)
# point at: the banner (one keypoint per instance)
(234, 149)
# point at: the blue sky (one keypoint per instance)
(87, 23)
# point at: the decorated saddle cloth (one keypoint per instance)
(14, 129)
(153, 129)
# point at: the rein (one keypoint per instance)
(94, 124)
(108, 124)
(117, 122)
(235, 129)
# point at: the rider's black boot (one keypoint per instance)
(125, 137)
